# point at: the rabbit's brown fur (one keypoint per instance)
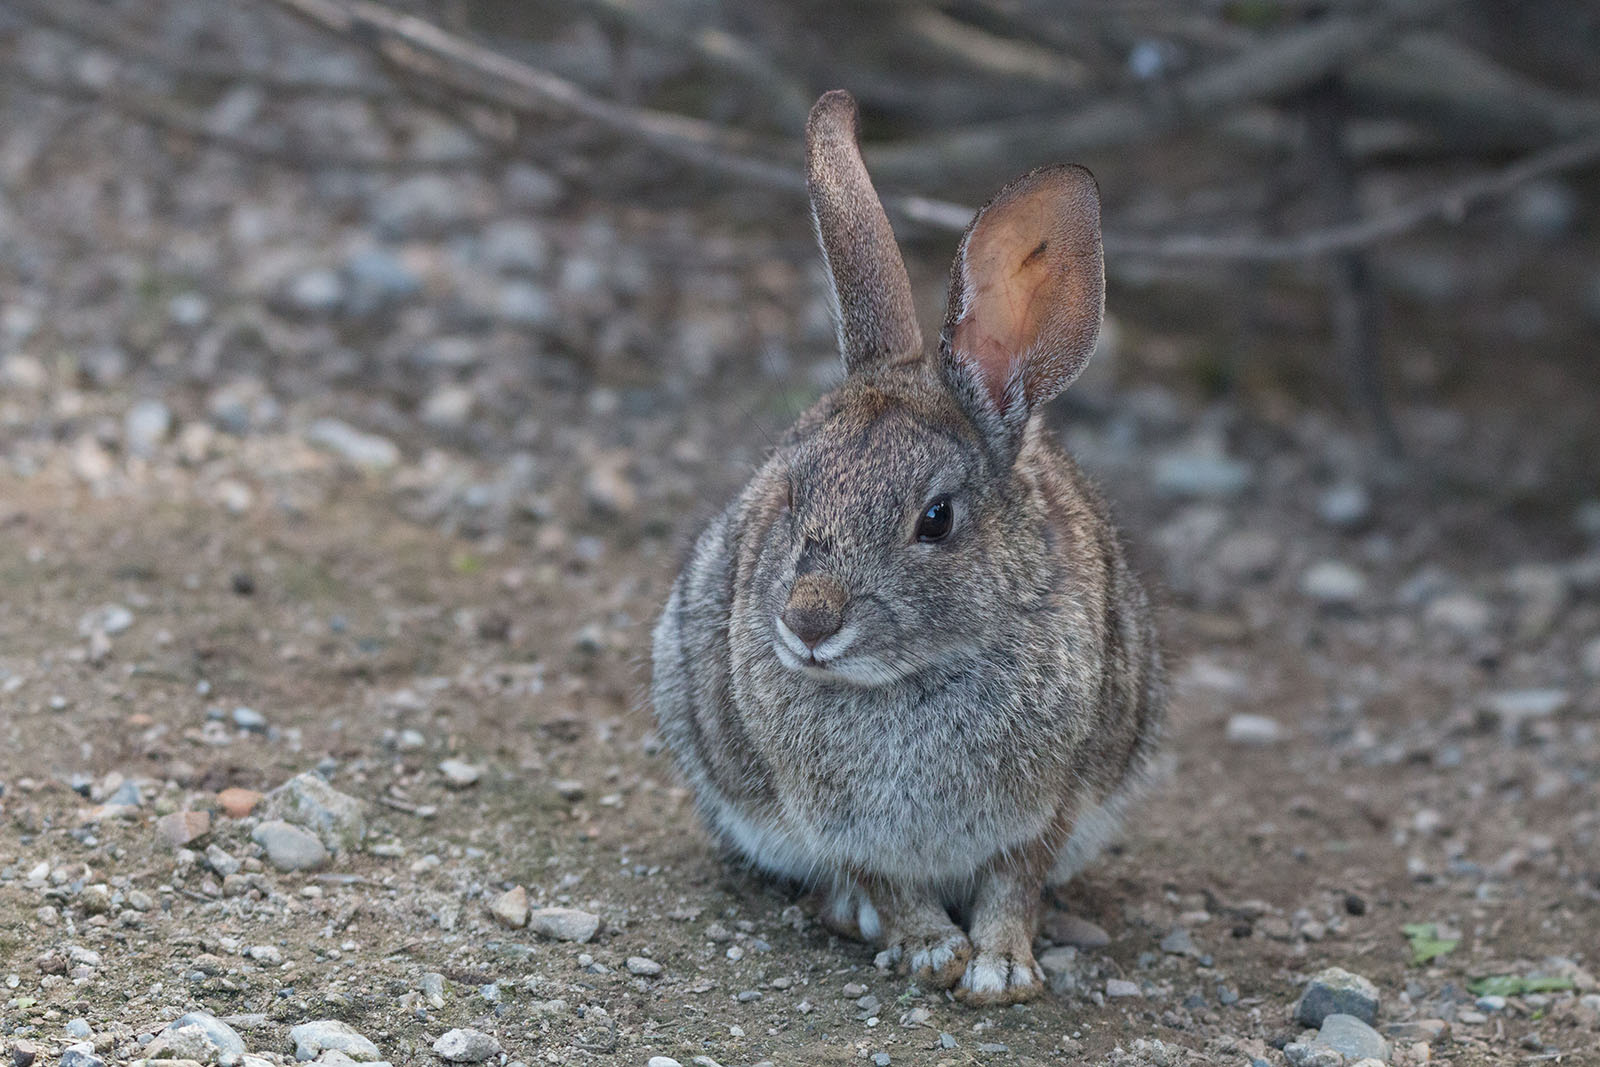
(964, 719)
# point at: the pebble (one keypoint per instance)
(1247, 729)
(1515, 709)
(182, 828)
(330, 1035)
(338, 820)
(1333, 583)
(288, 847)
(1121, 987)
(1351, 1038)
(378, 279)
(23, 1053)
(1066, 929)
(459, 774)
(1200, 474)
(432, 987)
(1178, 943)
(880, 1059)
(352, 445)
(146, 426)
(564, 924)
(221, 861)
(236, 803)
(1429, 1030)
(78, 1028)
(1458, 613)
(1336, 991)
(316, 292)
(464, 1045)
(1347, 506)
(250, 719)
(80, 1055)
(1491, 1003)
(662, 1061)
(424, 205)
(187, 1042)
(1249, 555)
(1062, 959)
(511, 908)
(224, 1037)
(109, 619)
(643, 965)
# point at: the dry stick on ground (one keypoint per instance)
(1278, 67)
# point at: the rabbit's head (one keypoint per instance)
(894, 531)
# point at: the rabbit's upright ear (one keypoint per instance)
(876, 317)
(1027, 292)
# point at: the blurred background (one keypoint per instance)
(366, 368)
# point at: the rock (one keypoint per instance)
(1201, 474)
(267, 955)
(288, 847)
(1458, 613)
(250, 719)
(1345, 507)
(1306, 1054)
(1062, 959)
(243, 406)
(330, 1035)
(1179, 942)
(662, 1061)
(1336, 991)
(1429, 1030)
(1065, 929)
(23, 1053)
(516, 247)
(644, 966)
(511, 908)
(236, 803)
(378, 279)
(459, 774)
(80, 1055)
(78, 1028)
(110, 619)
(466, 1046)
(1121, 987)
(145, 426)
(1514, 710)
(352, 445)
(182, 828)
(425, 205)
(220, 861)
(316, 292)
(1333, 583)
(187, 1042)
(564, 924)
(1246, 729)
(526, 186)
(222, 1036)
(449, 408)
(1248, 555)
(1351, 1038)
(339, 821)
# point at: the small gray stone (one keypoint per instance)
(425, 205)
(644, 966)
(1458, 613)
(1121, 987)
(459, 774)
(224, 1037)
(511, 908)
(1307, 1054)
(1491, 1003)
(880, 1059)
(662, 1061)
(516, 247)
(1333, 583)
(221, 862)
(188, 1042)
(145, 426)
(1247, 729)
(78, 1028)
(1516, 709)
(466, 1046)
(330, 1035)
(564, 924)
(1336, 991)
(1062, 959)
(1345, 507)
(288, 847)
(1351, 1038)
(80, 1055)
(1065, 929)
(1201, 474)
(319, 291)
(1179, 942)
(529, 187)
(250, 719)
(1249, 555)
(338, 820)
(352, 445)
(378, 280)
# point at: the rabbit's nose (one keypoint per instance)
(815, 610)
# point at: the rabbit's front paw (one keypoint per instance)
(1001, 978)
(933, 958)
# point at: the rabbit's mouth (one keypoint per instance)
(827, 659)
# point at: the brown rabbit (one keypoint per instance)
(909, 665)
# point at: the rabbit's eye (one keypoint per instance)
(936, 520)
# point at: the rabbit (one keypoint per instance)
(908, 666)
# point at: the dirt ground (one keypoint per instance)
(535, 399)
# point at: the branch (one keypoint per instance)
(1278, 67)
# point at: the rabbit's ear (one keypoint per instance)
(1027, 290)
(872, 295)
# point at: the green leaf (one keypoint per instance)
(1515, 985)
(1426, 944)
